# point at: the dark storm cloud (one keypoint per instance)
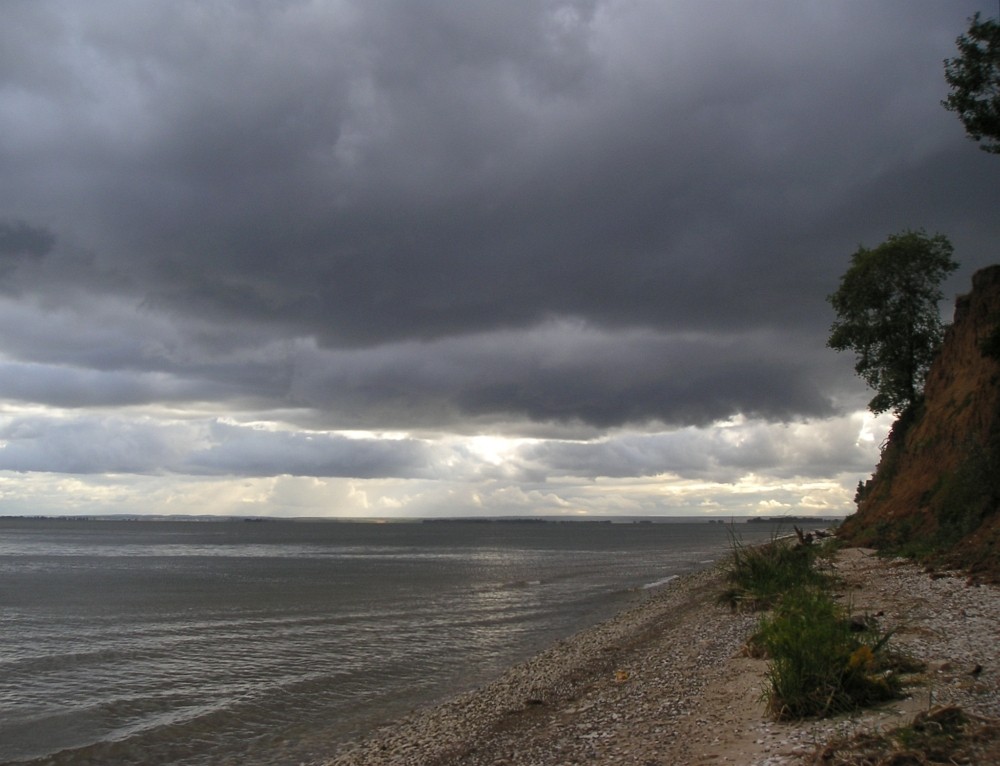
(59, 386)
(395, 212)
(240, 451)
(565, 372)
(90, 445)
(561, 373)
(95, 445)
(20, 239)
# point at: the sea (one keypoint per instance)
(275, 642)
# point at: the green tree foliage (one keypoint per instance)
(887, 313)
(974, 77)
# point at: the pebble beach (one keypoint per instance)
(666, 682)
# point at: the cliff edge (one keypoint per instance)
(936, 491)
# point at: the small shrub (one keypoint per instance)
(759, 575)
(818, 665)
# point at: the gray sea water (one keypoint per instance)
(196, 643)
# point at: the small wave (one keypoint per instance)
(658, 583)
(515, 585)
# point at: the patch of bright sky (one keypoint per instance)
(454, 492)
(874, 428)
(495, 450)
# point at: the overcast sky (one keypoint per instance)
(386, 257)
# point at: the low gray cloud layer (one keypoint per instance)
(115, 445)
(531, 218)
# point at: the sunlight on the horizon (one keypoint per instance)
(495, 450)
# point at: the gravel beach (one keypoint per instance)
(665, 682)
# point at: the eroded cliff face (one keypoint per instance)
(937, 486)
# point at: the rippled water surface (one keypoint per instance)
(231, 642)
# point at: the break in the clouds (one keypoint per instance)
(356, 241)
(94, 445)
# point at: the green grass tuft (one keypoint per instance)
(817, 664)
(758, 576)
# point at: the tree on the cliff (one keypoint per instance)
(974, 77)
(887, 313)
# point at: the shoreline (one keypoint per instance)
(664, 682)
(580, 674)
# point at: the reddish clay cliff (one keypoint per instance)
(937, 486)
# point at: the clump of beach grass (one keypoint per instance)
(819, 663)
(757, 576)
